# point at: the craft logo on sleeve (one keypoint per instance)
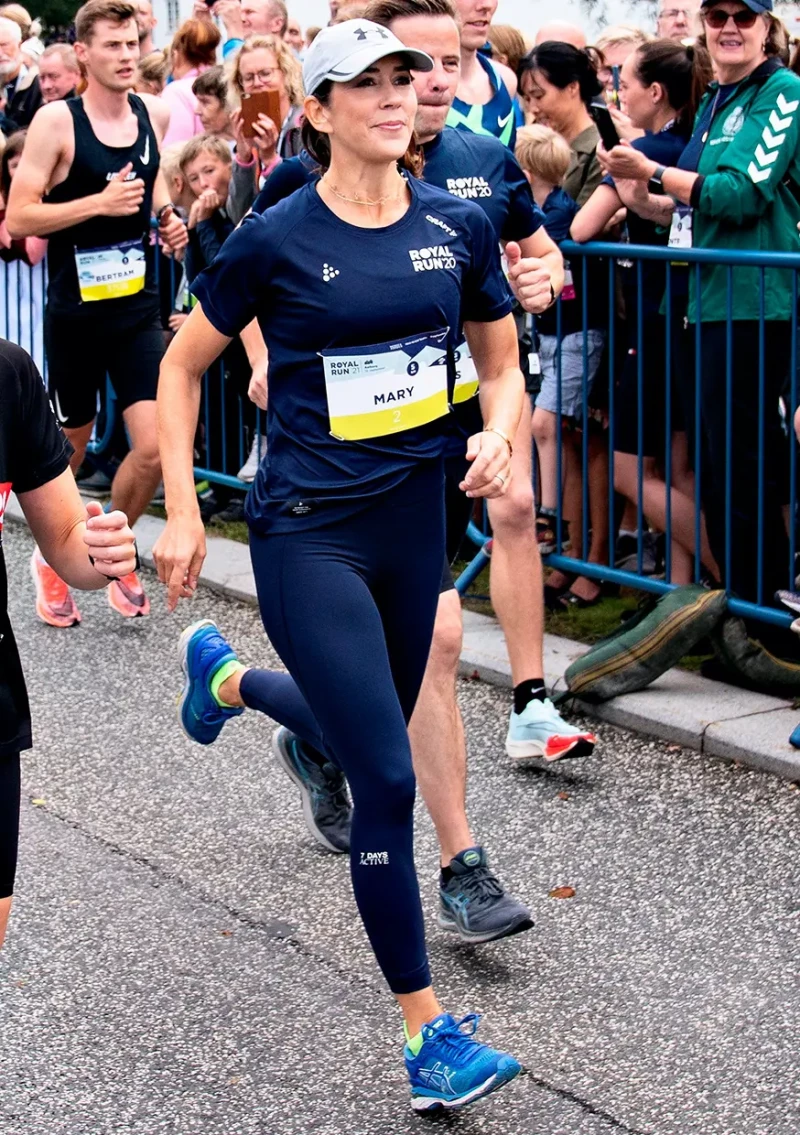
(5, 493)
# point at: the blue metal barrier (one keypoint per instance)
(606, 395)
(227, 420)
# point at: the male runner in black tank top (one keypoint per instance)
(89, 181)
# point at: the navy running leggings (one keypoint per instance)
(352, 616)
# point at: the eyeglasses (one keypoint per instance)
(263, 76)
(717, 18)
(674, 13)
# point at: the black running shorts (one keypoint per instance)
(80, 353)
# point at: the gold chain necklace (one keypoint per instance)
(362, 200)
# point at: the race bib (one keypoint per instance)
(386, 388)
(680, 233)
(111, 273)
(466, 375)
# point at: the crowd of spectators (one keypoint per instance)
(601, 354)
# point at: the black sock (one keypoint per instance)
(532, 689)
(447, 875)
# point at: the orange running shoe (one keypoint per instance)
(126, 596)
(54, 603)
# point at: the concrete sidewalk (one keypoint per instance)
(714, 718)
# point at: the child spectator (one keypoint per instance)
(545, 158)
(211, 91)
(205, 164)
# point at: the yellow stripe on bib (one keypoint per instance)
(380, 423)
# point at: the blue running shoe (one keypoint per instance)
(451, 1069)
(323, 790)
(540, 735)
(794, 740)
(203, 650)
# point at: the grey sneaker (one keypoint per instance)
(323, 789)
(473, 903)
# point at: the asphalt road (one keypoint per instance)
(183, 959)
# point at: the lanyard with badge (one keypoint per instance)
(387, 388)
(680, 233)
(112, 272)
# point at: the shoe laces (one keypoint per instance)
(455, 1041)
(333, 786)
(481, 886)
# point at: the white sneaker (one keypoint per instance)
(540, 732)
(248, 471)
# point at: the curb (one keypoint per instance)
(713, 718)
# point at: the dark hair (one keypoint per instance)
(212, 82)
(562, 64)
(319, 146)
(14, 147)
(683, 72)
(384, 11)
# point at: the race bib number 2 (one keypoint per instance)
(111, 273)
(386, 388)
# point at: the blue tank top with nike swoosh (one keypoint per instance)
(496, 118)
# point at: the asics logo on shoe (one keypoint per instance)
(329, 273)
(437, 1077)
(428, 259)
(374, 859)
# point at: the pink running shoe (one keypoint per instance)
(54, 603)
(126, 596)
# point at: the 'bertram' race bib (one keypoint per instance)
(110, 273)
(386, 388)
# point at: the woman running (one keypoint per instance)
(360, 283)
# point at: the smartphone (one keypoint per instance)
(605, 124)
(615, 70)
(261, 102)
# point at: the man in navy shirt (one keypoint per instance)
(478, 168)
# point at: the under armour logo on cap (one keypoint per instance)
(343, 52)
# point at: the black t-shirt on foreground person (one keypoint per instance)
(33, 451)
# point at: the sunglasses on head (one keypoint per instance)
(717, 18)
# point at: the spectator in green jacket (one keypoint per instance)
(736, 187)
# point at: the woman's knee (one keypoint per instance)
(543, 426)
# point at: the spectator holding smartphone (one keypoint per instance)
(264, 63)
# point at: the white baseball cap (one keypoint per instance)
(346, 50)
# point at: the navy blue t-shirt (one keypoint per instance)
(316, 283)
(665, 149)
(481, 169)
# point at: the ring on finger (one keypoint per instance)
(499, 477)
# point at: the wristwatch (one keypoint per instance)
(163, 209)
(656, 184)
